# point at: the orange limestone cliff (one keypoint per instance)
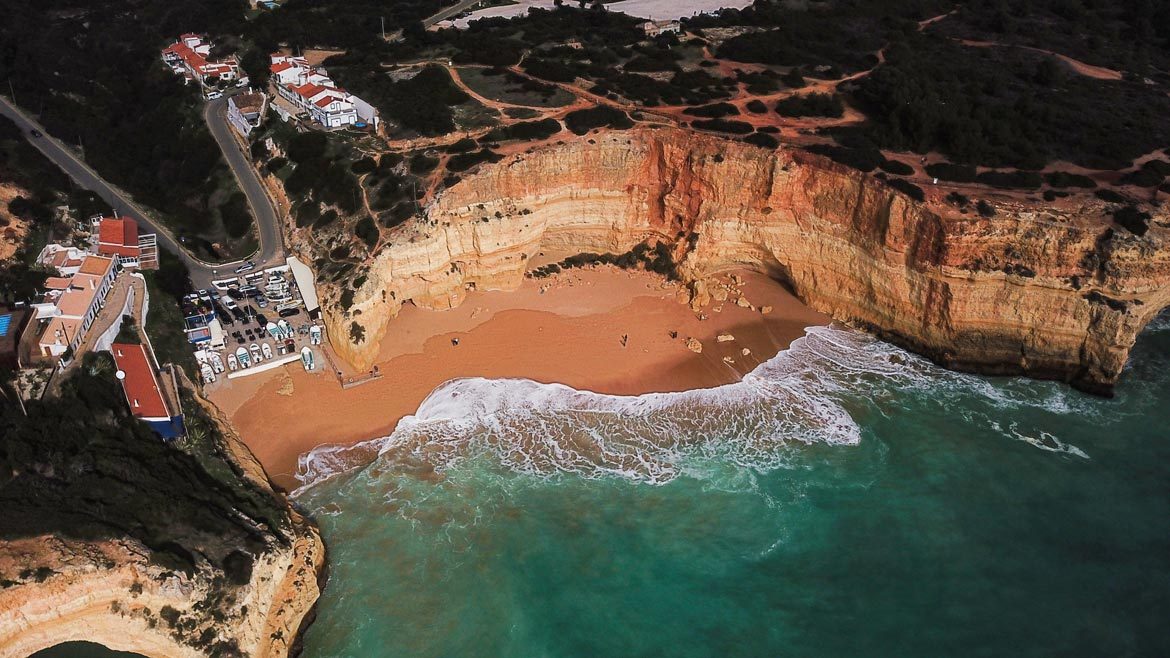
(128, 596)
(1050, 293)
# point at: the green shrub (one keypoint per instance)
(526, 131)
(1065, 179)
(582, 121)
(762, 140)
(237, 220)
(955, 173)
(465, 161)
(811, 105)
(861, 159)
(1028, 180)
(906, 187)
(276, 164)
(725, 126)
(367, 231)
(421, 164)
(897, 168)
(1132, 220)
(363, 166)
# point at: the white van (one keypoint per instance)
(212, 95)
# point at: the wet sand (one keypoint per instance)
(567, 329)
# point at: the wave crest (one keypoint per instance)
(803, 395)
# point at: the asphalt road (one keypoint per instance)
(267, 220)
(444, 14)
(271, 244)
(87, 178)
(215, 114)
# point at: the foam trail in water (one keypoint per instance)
(800, 396)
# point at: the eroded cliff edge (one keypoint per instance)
(111, 536)
(1050, 292)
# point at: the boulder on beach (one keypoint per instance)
(694, 345)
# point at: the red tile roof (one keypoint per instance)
(140, 383)
(120, 231)
(96, 266)
(118, 237)
(281, 67)
(324, 101)
(308, 90)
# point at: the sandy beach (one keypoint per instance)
(599, 329)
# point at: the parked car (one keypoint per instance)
(261, 301)
(235, 294)
(261, 320)
(246, 267)
(238, 315)
(35, 133)
(227, 302)
(289, 312)
(214, 95)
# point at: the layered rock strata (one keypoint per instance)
(127, 596)
(1049, 293)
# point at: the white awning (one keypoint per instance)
(216, 330)
(305, 281)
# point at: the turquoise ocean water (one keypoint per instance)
(846, 499)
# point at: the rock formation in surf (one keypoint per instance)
(1058, 293)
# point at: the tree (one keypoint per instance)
(357, 333)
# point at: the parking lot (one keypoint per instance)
(251, 323)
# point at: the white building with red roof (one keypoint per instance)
(313, 93)
(64, 259)
(71, 305)
(188, 57)
(143, 387)
(140, 382)
(119, 238)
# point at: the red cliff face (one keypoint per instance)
(1049, 293)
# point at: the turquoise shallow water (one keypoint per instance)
(847, 499)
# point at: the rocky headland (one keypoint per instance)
(111, 536)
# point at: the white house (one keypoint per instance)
(71, 305)
(656, 28)
(245, 111)
(188, 57)
(313, 93)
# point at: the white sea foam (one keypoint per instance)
(803, 395)
(1159, 323)
(1043, 440)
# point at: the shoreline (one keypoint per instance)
(600, 329)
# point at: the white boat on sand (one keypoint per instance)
(233, 363)
(244, 358)
(307, 359)
(257, 357)
(266, 348)
(207, 371)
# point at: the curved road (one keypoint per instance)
(267, 220)
(271, 244)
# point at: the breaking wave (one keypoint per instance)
(807, 394)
